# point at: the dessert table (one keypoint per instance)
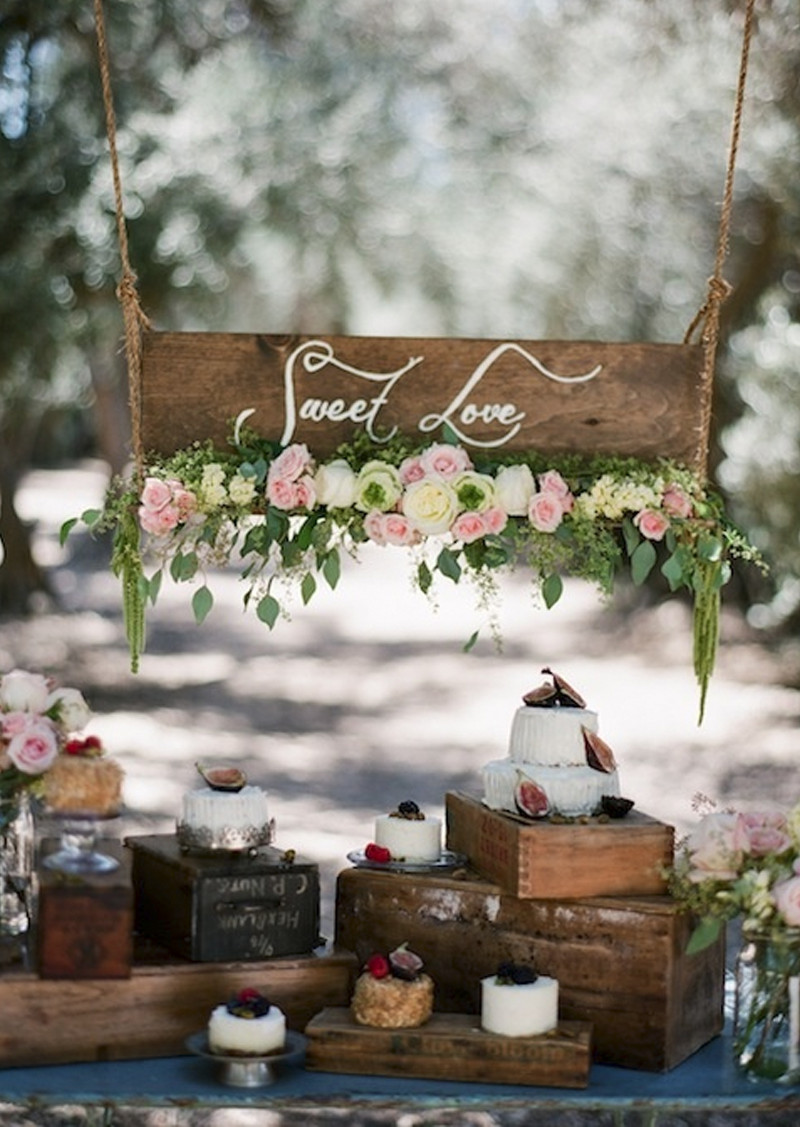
(188, 1092)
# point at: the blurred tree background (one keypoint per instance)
(521, 169)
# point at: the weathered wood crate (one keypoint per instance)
(449, 1047)
(152, 1013)
(224, 906)
(85, 923)
(621, 962)
(544, 859)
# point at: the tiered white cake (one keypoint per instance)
(554, 745)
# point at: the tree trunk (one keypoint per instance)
(21, 578)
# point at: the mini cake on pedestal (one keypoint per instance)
(409, 835)
(392, 992)
(84, 780)
(557, 762)
(517, 1002)
(247, 1025)
(226, 814)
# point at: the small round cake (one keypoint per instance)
(216, 817)
(247, 1025)
(83, 780)
(409, 835)
(392, 992)
(518, 1002)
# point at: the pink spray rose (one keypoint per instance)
(373, 526)
(713, 849)
(155, 494)
(495, 519)
(159, 522)
(282, 493)
(305, 492)
(398, 530)
(553, 482)
(468, 527)
(651, 523)
(545, 512)
(291, 463)
(675, 502)
(787, 900)
(411, 469)
(446, 461)
(761, 832)
(33, 749)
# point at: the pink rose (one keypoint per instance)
(374, 527)
(159, 522)
(762, 832)
(446, 461)
(282, 493)
(411, 469)
(468, 527)
(651, 523)
(545, 512)
(184, 501)
(787, 900)
(495, 520)
(291, 463)
(713, 850)
(155, 494)
(553, 482)
(398, 530)
(305, 493)
(675, 502)
(33, 749)
(12, 723)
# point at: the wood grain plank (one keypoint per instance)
(634, 399)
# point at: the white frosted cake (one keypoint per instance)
(409, 835)
(218, 819)
(516, 1002)
(555, 755)
(247, 1025)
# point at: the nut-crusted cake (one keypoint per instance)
(392, 992)
(83, 779)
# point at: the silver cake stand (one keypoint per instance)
(249, 1072)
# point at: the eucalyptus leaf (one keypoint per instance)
(332, 568)
(552, 588)
(643, 561)
(202, 602)
(448, 564)
(630, 535)
(706, 933)
(307, 588)
(672, 570)
(154, 586)
(65, 530)
(470, 642)
(268, 610)
(424, 578)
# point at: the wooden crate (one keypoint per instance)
(621, 962)
(151, 1013)
(85, 923)
(449, 1047)
(565, 861)
(224, 907)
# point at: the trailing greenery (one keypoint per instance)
(287, 518)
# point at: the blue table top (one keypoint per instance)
(707, 1079)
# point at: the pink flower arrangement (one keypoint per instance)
(36, 719)
(164, 505)
(741, 863)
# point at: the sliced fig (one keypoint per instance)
(615, 806)
(404, 963)
(223, 778)
(598, 754)
(545, 696)
(531, 799)
(567, 696)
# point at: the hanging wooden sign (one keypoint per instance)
(638, 400)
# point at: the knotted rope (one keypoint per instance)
(133, 316)
(718, 289)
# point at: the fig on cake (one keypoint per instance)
(392, 991)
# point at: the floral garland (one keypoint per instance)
(289, 517)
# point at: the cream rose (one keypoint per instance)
(70, 708)
(712, 849)
(335, 483)
(513, 488)
(21, 691)
(378, 487)
(431, 505)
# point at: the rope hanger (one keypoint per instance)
(708, 316)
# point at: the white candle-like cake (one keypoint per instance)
(247, 1025)
(514, 1007)
(409, 835)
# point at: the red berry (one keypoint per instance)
(378, 966)
(248, 994)
(377, 853)
(92, 741)
(74, 747)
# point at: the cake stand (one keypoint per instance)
(77, 853)
(248, 1072)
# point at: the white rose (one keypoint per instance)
(513, 487)
(71, 709)
(21, 691)
(378, 487)
(431, 505)
(336, 484)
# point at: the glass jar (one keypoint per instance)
(766, 1020)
